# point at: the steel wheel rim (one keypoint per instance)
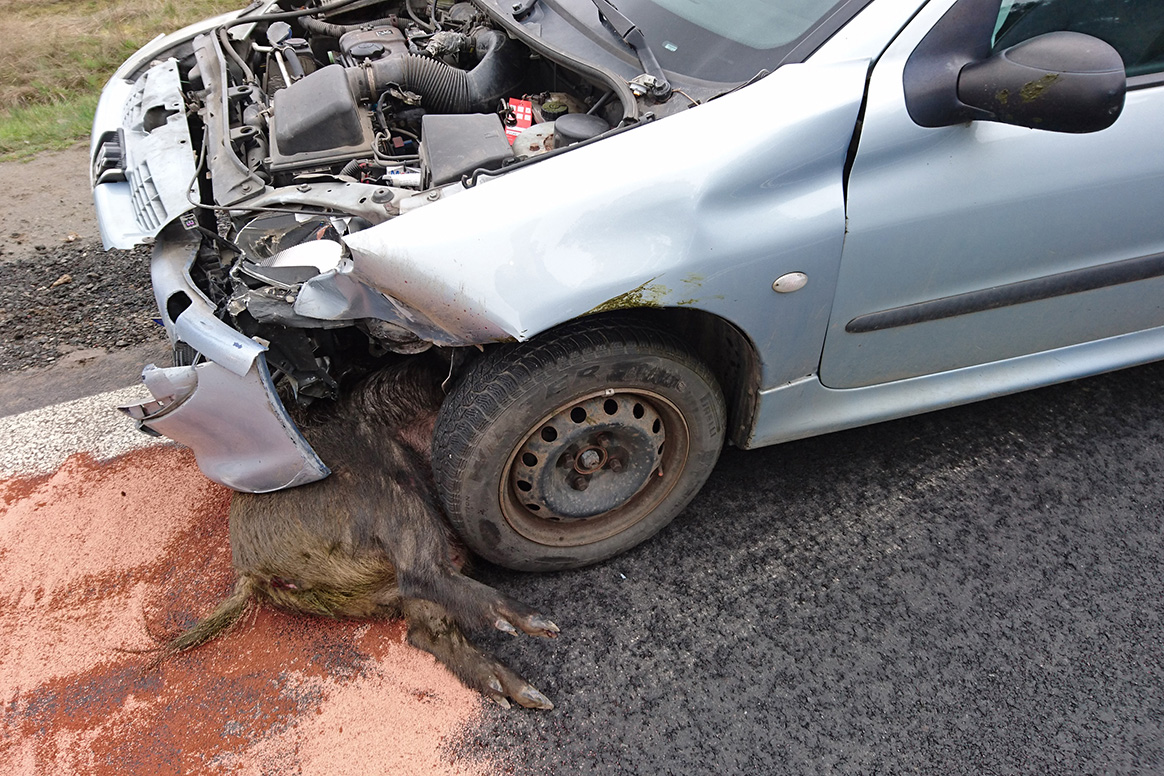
(621, 499)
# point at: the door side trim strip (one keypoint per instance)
(1036, 289)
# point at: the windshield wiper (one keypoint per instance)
(653, 79)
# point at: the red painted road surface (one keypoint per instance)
(97, 555)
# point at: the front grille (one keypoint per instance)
(147, 204)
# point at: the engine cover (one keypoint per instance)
(376, 43)
(316, 121)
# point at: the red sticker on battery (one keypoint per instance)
(522, 114)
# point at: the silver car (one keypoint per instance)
(633, 233)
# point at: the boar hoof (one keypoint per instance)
(500, 685)
(510, 613)
(535, 625)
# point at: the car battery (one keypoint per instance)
(452, 145)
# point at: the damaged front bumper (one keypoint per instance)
(133, 169)
(236, 426)
(224, 407)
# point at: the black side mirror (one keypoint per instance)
(1060, 81)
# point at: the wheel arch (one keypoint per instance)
(723, 347)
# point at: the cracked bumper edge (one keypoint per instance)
(225, 407)
(236, 425)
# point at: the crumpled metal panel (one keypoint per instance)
(639, 220)
(337, 296)
(238, 429)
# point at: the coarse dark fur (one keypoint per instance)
(370, 540)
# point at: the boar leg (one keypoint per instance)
(472, 603)
(423, 570)
(432, 629)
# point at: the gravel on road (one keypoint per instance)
(63, 297)
(74, 296)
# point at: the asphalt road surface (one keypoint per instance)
(976, 591)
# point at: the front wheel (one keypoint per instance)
(566, 450)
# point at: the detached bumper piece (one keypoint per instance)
(236, 425)
(224, 407)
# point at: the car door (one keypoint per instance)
(979, 242)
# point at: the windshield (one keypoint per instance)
(725, 40)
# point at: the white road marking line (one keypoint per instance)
(39, 441)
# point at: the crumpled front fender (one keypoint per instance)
(643, 218)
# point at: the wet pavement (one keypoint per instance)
(976, 591)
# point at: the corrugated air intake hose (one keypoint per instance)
(444, 88)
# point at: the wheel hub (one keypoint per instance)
(589, 458)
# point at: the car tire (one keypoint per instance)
(573, 447)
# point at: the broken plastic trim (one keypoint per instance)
(241, 434)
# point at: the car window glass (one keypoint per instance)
(731, 40)
(1135, 28)
(760, 24)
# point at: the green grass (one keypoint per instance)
(27, 131)
(68, 50)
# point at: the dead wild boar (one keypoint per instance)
(370, 540)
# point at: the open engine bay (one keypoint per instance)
(278, 132)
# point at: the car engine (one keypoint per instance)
(385, 96)
(301, 125)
